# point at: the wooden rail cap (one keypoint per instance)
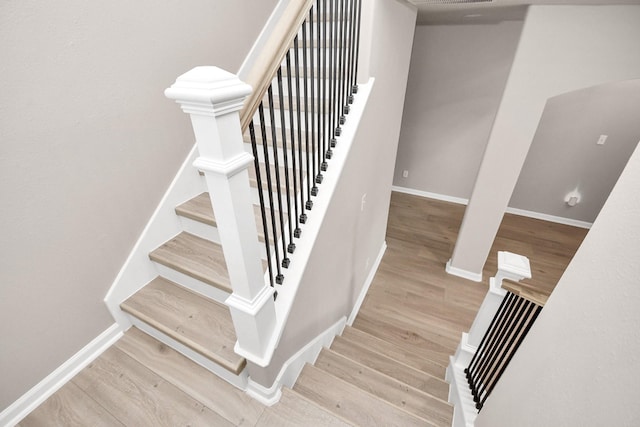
(525, 291)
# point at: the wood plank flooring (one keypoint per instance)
(412, 309)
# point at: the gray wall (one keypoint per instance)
(350, 240)
(89, 146)
(457, 76)
(579, 365)
(564, 155)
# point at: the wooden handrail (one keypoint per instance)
(269, 60)
(526, 292)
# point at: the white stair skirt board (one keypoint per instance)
(138, 270)
(54, 381)
(514, 211)
(293, 366)
(469, 275)
(239, 381)
(464, 409)
(367, 284)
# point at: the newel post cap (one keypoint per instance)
(515, 264)
(208, 86)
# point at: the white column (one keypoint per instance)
(213, 98)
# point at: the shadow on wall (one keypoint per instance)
(567, 153)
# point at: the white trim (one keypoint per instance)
(367, 284)
(55, 380)
(469, 275)
(428, 195)
(293, 366)
(514, 211)
(550, 218)
(464, 411)
(227, 168)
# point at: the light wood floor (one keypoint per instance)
(412, 304)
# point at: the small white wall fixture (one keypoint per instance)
(213, 98)
(510, 266)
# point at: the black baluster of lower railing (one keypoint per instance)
(297, 232)
(278, 189)
(298, 125)
(508, 351)
(312, 51)
(305, 65)
(485, 355)
(256, 163)
(318, 50)
(498, 347)
(483, 343)
(265, 149)
(291, 247)
(333, 76)
(323, 98)
(354, 87)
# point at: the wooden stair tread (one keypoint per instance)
(201, 384)
(395, 352)
(199, 323)
(199, 209)
(134, 394)
(195, 257)
(416, 378)
(350, 402)
(408, 398)
(294, 410)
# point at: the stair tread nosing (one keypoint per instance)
(392, 351)
(398, 393)
(195, 257)
(418, 379)
(199, 209)
(293, 410)
(350, 402)
(197, 322)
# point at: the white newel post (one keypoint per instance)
(213, 99)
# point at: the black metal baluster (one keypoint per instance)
(256, 163)
(291, 247)
(354, 87)
(323, 99)
(352, 14)
(314, 188)
(320, 132)
(303, 216)
(339, 41)
(532, 320)
(343, 69)
(278, 189)
(265, 148)
(305, 65)
(297, 232)
(333, 76)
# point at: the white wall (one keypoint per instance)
(89, 145)
(561, 49)
(457, 76)
(580, 363)
(564, 155)
(350, 240)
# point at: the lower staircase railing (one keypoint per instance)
(277, 131)
(506, 315)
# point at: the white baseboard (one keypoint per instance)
(293, 366)
(521, 212)
(367, 284)
(469, 275)
(54, 381)
(464, 410)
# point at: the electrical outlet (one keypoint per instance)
(405, 174)
(364, 200)
(602, 139)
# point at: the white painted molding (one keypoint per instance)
(228, 168)
(469, 275)
(367, 284)
(514, 211)
(293, 366)
(54, 381)
(464, 411)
